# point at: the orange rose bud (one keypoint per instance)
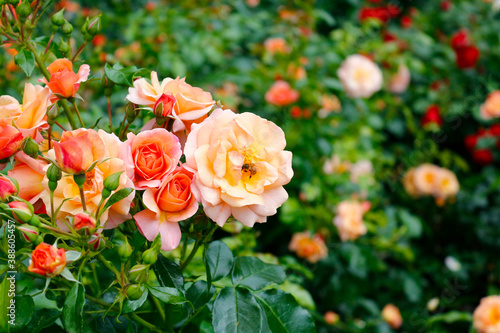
(10, 140)
(64, 83)
(47, 260)
(392, 316)
(20, 211)
(29, 233)
(84, 222)
(95, 242)
(74, 155)
(164, 106)
(7, 188)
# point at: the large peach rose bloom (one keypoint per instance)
(487, 315)
(29, 173)
(104, 147)
(360, 76)
(30, 116)
(192, 103)
(240, 166)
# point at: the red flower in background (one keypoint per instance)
(432, 116)
(384, 14)
(467, 56)
(445, 5)
(406, 21)
(460, 39)
(484, 155)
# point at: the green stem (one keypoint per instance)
(82, 196)
(109, 114)
(60, 232)
(144, 323)
(108, 265)
(78, 113)
(160, 308)
(197, 244)
(69, 114)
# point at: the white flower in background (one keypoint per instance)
(360, 76)
(452, 264)
(359, 169)
(335, 165)
(400, 81)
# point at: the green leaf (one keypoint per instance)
(450, 317)
(26, 60)
(4, 303)
(123, 76)
(118, 196)
(168, 273)
(131, 306)
(412, 289)
(219, 260)
(283, 313)
(73, 308)
(27, 307)
(198, 294)
(42, 318)
(412, 223)
(256, 274)
(236, 310)
(138, 240)
(168, 295)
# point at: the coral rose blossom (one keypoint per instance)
(165, 207)
(360, 76)
(392, 316)
(10, 140)
(240, 166)
(74, 153)
(30, 116)
(313, 249)
(276, 45)
(7, 187)
(150, 156)
(64, 83)
(491, 107)
(486, 317)
(104, 149)
(29, 174)
(349, 220)
(47, 260)
(281, 94)
(192, 104)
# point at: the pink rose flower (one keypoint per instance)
(281, 94)
(240, 166)
(360, 76)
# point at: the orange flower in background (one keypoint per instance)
(47, 260)
(103, 148)
(192, 104)
(64, 83)
(281, 94)
(10, 140)
(486, 317)
(240, 166)
(30, 116)
(313, 249)
(172, 202)
(392, 316)
(349, 220)
(491, 107)
(150, 156)
(429, 179)
(276, 45)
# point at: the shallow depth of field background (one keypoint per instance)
(415, 250)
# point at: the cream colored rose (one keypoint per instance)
(360, 76)
(240, 166)
(429, 179)
(487, 315)
(491, 107)
(400, 81)
(349, 220)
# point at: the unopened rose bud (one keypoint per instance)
(63, 47)
(21, 211)
(7, 187)
(35, 221)
(164, 106)
(150, 256)
(29, 233)
(331, 318)
(84, 223)
(54, 173)
(125, 251)
(134, 292)
(58, 18)
(23, 10)
(94, 26)
(30, 147)
(131, 115)
(112, 182)
(95, 242)
(67, 28)
(139, 273)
